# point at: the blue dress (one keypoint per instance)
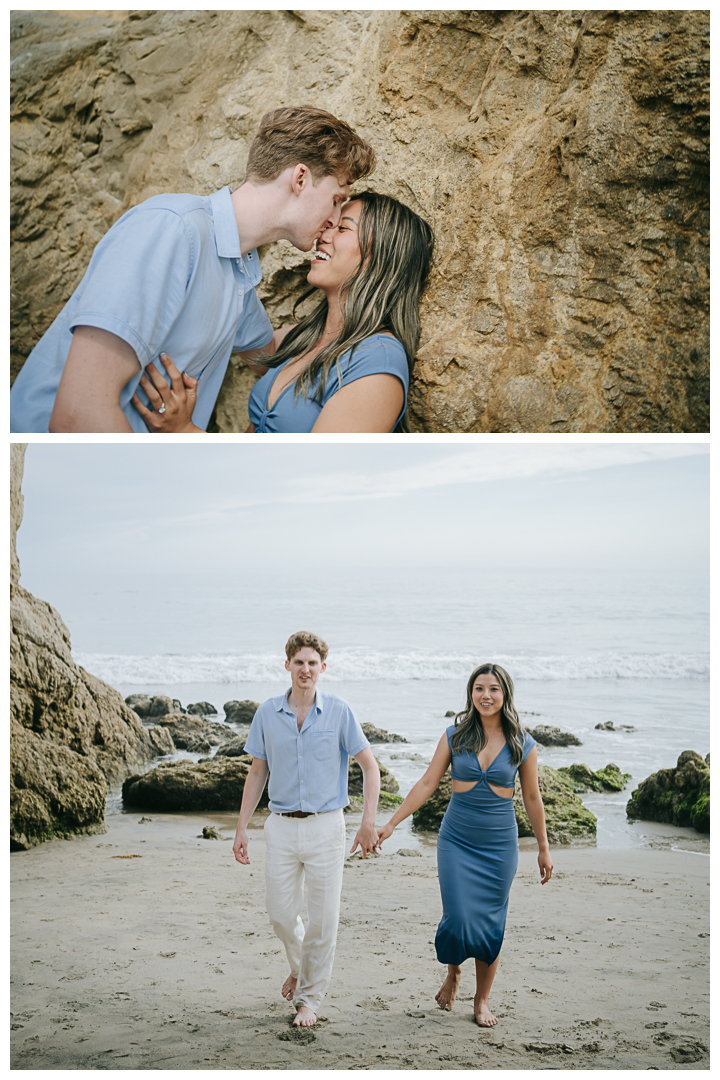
(381, 354)
(477, 858)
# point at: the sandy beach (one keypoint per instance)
(149, 948)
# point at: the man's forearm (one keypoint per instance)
(254, 786)
(371, 793)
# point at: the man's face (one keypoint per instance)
(304, 668)
(318, 207)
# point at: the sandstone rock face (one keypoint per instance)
(560, 156)
(566, 818)
(547, 735)
(680, 796)
(70, 732)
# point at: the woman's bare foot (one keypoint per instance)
(289, 987)
(483, 1015)
(447, 993)
(305, 1017)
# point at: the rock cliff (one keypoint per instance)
(561, 156)
(70, 732)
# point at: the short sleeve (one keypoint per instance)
(527, 745)
(353, 738)
(380, 354)
(254, 329)
(255, 745)
(449, 732)
(137, 279)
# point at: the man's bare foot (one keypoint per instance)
(447, 993)
(305, 1017)
(289, 987)
(483, 1015)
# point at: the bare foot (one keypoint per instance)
(305, 1017)
(289, 987)
(483, 1015)
(447, 993)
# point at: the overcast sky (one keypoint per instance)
(226, 508)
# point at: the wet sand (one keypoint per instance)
(166, 960)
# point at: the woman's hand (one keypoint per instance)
(172, 406)
(384, 832)
(546, 865)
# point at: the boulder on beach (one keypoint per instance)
(355, 779)
(679, 796)
(379, 735)
(566, 818)
(609, 726)
(240, 712)
(583, 779)
(547, 735)
(139, 703)
(186, 785)
(185, 730)
(202, 708)
(70, 733)
(235, 747)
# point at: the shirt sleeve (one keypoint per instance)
(352, 736)
(151, 245)
(254, 329)
(380, 354)
(528, 745)
(255, 745)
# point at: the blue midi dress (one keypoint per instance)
(477, 853)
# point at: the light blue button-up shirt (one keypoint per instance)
(168, 276)
(308, 768)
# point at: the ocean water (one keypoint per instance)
(582, 648)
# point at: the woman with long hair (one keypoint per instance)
(346, 366)
(477, 845)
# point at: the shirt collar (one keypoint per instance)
(285, 707)
(227, 240)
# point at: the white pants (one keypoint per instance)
(309, 850)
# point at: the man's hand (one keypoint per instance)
(240, 847)
(366, 839)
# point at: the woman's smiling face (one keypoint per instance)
(338, 250)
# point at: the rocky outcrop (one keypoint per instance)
(194, 733)
(680, 796)
(379, 735)
(240, 712)
(187, 786)
(235, 747)
(566, 818)
(561, 157)
(583, 779)
(71, 734)
(553, 736)
(610, 726)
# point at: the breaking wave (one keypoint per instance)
(361, 665)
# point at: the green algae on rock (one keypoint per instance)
(583, 779)
(679, 796)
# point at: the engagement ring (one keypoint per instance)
(162, 408)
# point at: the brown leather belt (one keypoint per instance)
(296, 813)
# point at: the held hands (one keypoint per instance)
(240, 847)
(384, 832)
(546, 867)
(366, 839)
(172, 406)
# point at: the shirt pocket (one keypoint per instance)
(323, 749)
